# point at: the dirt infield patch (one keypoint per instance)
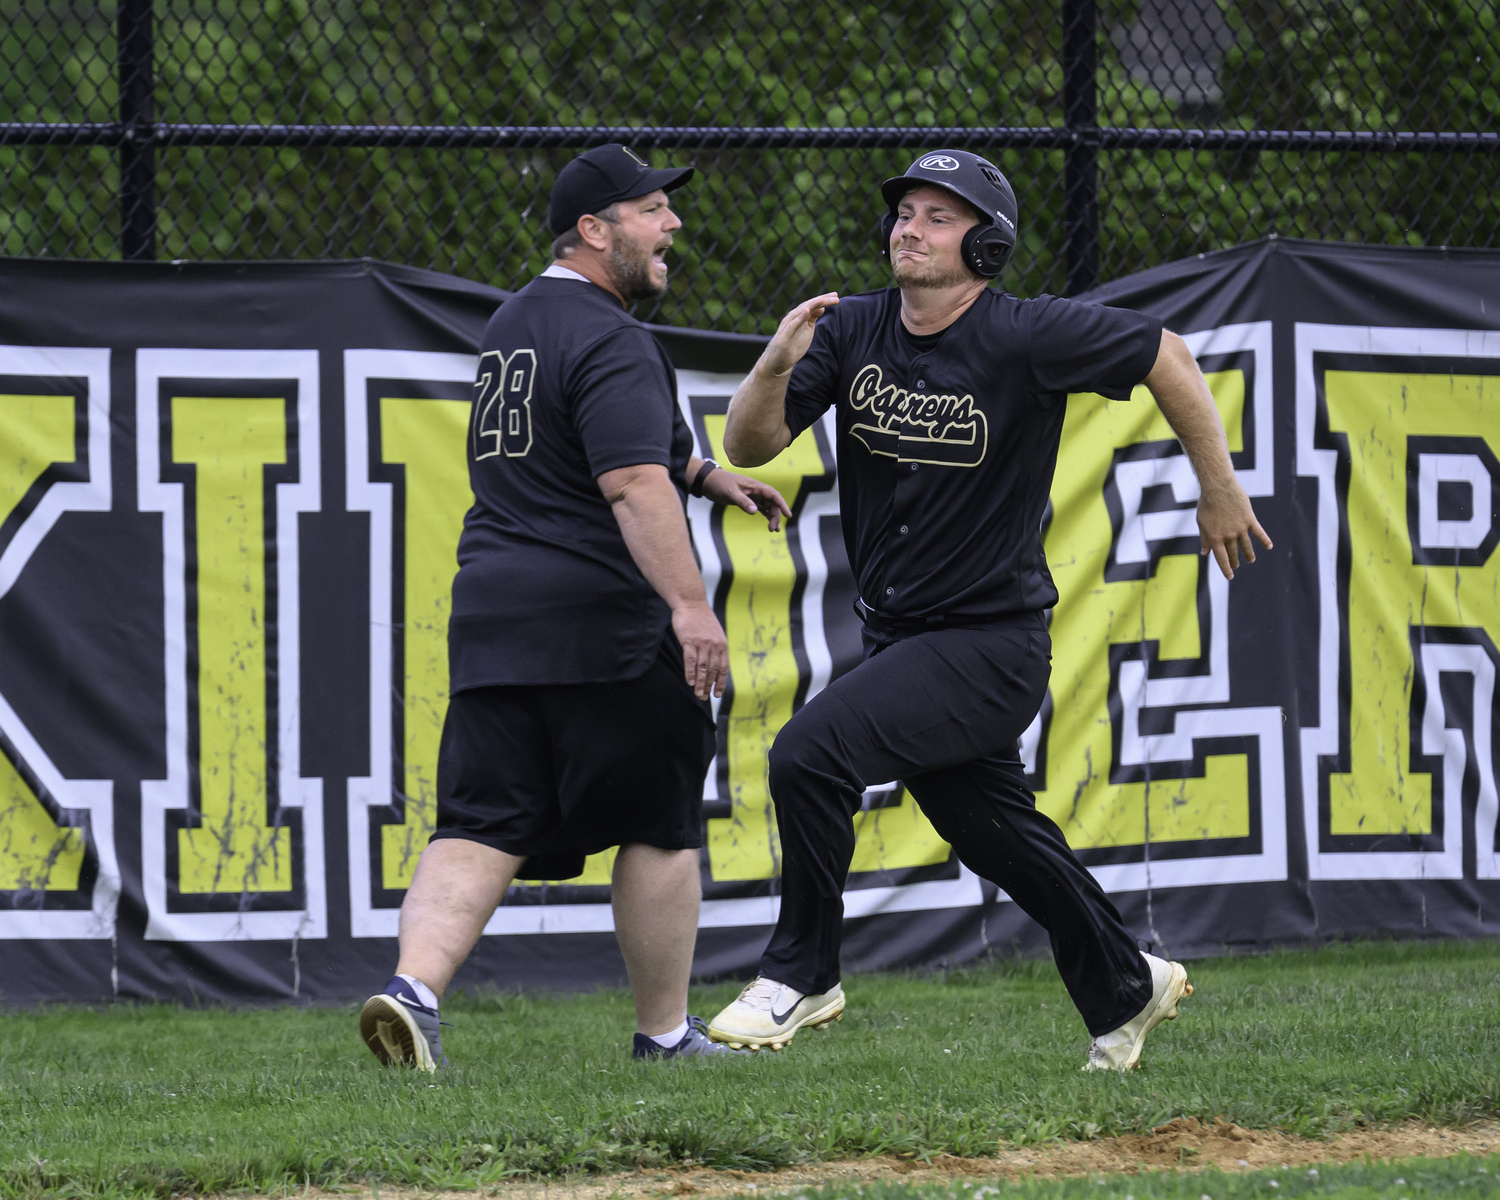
(1185, 1144)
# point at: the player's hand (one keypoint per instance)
(1225, 525)
(725, 487)
(795, 333)
(705, 649)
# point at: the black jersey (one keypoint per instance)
(947, 443)
(570, 386)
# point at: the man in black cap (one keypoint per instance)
(950, 399)
(582, 647)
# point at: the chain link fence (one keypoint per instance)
(1134, 131)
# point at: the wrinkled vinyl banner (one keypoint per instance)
(229, 501)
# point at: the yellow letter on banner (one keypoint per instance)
(1094, 614)
(1389, 594)
(235, 848)
(762, 661)
(35, 432)
(427, 437)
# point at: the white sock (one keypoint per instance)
(424, 993)
(667, 1040)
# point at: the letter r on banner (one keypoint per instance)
(1397, 426)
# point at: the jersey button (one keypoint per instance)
(903, 529)
(914, 466)
(890, 591)
(921, 383)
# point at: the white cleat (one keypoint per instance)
(768, 1013)
(1121, 1049)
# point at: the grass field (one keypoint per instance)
(1460, 1178)
(156, 1100)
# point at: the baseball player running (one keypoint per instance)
(582, 647)
(950, 400)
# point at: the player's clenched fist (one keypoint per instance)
(795, 334)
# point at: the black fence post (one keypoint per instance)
(1081, 164)
(137, 117)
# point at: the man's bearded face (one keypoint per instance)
(636, 266)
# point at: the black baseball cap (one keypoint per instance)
(603, 176)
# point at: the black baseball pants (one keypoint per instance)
(942, 711)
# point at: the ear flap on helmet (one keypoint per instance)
(985, 250)
(887, 225)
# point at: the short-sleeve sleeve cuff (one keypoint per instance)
(1138, 366)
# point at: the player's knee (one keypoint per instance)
(791, 753)
(782, 764)
(801, 748)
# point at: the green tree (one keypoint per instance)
(764, 228)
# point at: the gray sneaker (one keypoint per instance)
(402, 1031)
(695, 1044)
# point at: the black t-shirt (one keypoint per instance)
(947, 442)
(570, 386)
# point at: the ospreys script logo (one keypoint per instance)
(916, 427)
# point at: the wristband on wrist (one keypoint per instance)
(696, 487)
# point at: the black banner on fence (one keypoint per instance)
(229, 501)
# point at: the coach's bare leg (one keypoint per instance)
(656, 898)
(457, 887)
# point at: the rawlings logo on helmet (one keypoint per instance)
(938, 162)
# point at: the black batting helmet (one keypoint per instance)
(987, 247)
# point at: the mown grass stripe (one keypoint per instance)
(157, 1100)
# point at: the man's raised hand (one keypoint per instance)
(755, 429)
(796, 333)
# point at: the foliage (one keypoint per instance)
(763, 227)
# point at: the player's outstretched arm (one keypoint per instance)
(756, 430)
(1226, 521)
(646, 504)
(725, 487)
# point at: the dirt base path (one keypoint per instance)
(1180, 1145)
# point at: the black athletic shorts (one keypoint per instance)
(556, 772)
